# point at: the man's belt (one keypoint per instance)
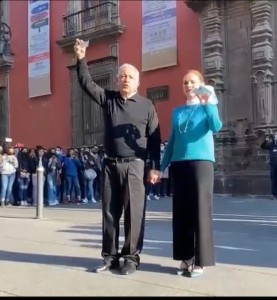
(121, 159)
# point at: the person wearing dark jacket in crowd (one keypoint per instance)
(39, 160)
(270, 144)
(23, 176)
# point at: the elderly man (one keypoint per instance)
(131, 135)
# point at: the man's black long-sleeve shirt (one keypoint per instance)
(131, 126)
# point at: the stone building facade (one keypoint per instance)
(6, 64)
(238, 46)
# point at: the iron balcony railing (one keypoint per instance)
(99, 17)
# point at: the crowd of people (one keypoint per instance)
(71, 177)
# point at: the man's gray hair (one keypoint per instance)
(128, 66)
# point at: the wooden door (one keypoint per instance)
(87, 116)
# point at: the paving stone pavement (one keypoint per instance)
(54, 256)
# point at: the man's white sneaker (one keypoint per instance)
(156, 197)
(93, 200)
(148, 198)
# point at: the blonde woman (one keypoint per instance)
(190, 153)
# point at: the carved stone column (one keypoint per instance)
(5, 100)
(262, 65)
(213, 64)
(213, 52)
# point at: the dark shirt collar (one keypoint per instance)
(136, 97)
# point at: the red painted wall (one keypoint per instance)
(43, 120)
(189, 55)
(46, 120)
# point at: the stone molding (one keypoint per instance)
(262, 64)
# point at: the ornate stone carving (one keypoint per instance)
(213, 62)
(196, 5)
(262, 63)
(240, 166)
(263, 84)
(200, 5)
(212, 44)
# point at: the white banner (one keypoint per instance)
(39, 47)
(159, 30)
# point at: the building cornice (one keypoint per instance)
(197, 5)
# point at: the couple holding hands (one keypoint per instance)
(190, 154)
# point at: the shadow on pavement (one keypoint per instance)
(144, 267)
(245, 231)
(58, 260)
(73, 262)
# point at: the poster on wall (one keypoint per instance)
(159, 30)
(38, 48)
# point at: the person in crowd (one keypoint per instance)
(190, 153)
(97, 168)
(164, 185)
(79, 154)
(32, 154)
(131, 124)
(40, 160)
(61, 179)
(8, 169)
(71, 164)
(152, 190)
(53, 177)
(270, 144)
(148, 185)
(89, 176)
(23, 176)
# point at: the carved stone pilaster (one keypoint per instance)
(262, 64)
(212, 44)
(5, 101)
(263, 85)
(213, 61)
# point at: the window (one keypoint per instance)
(90, 3)
(95, 14)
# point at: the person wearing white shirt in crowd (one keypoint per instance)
(8, 167)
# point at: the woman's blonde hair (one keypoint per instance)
(197, 73)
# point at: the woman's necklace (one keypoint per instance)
(188, 120)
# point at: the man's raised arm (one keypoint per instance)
(97, 93)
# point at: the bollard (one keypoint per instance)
(40, 184)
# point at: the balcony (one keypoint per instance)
(91, 24)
